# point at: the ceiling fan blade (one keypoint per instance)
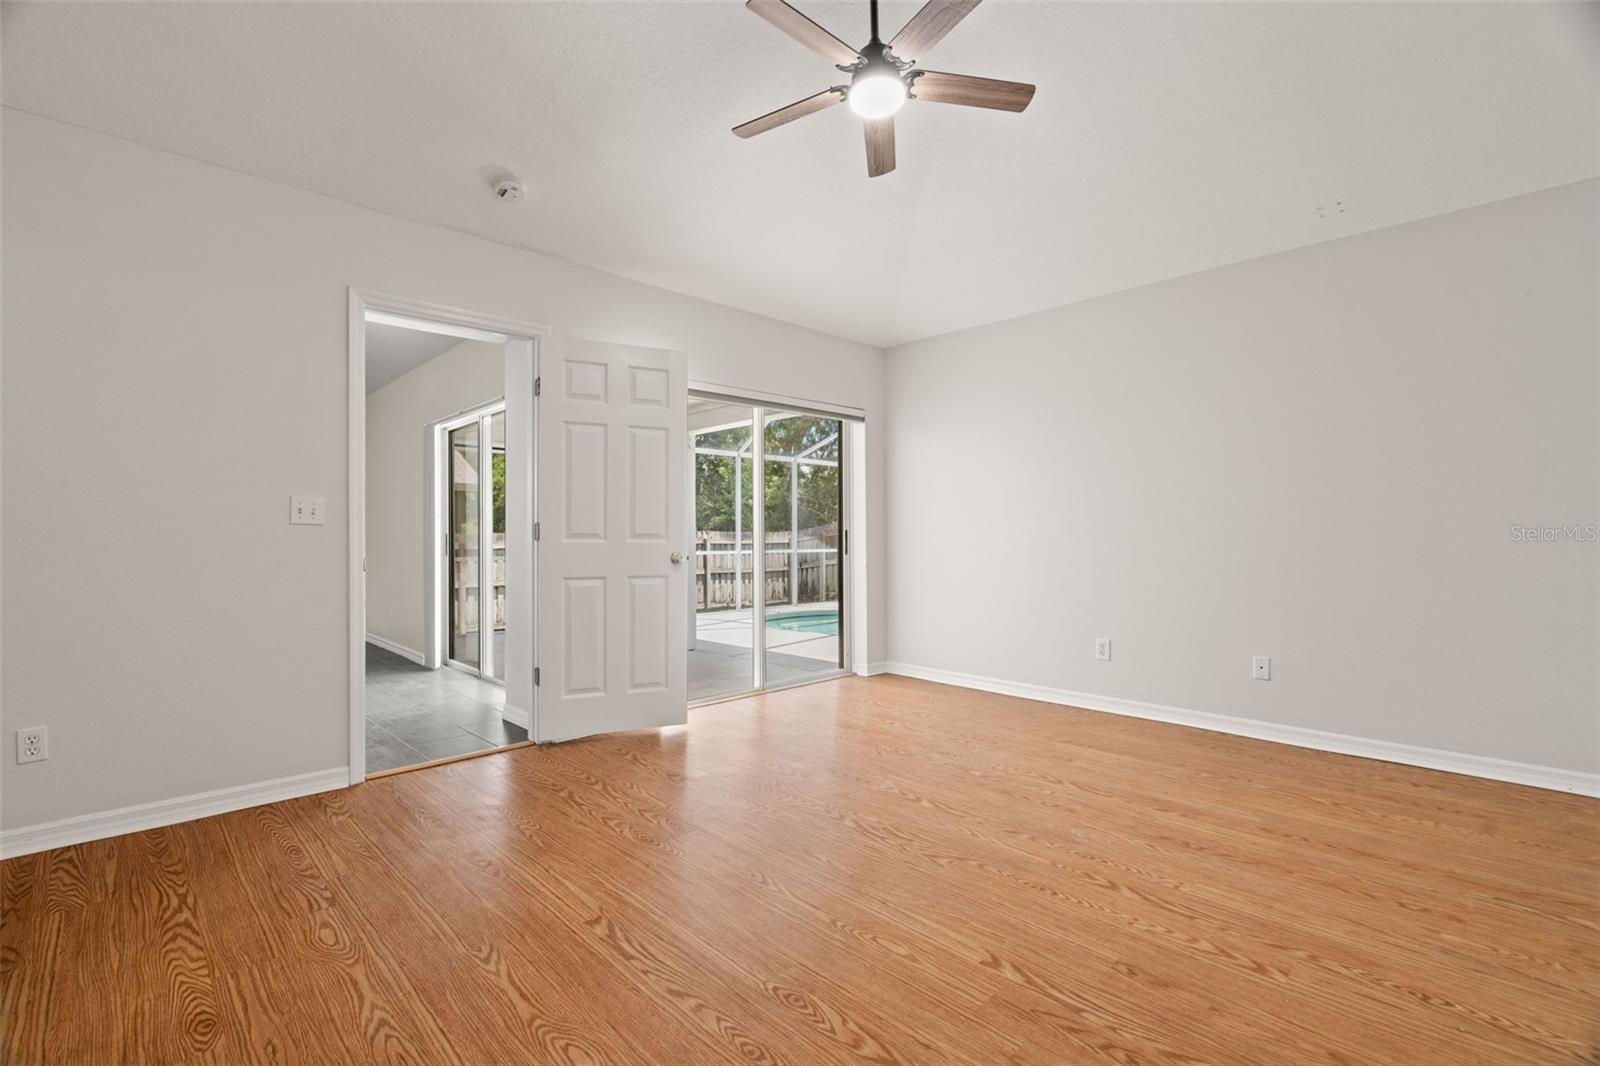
(805, 31)
(969, 91)
(880, 146)
(798, 109)
(928, 27)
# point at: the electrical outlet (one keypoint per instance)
(33, 745)
(306, 510)
(1102, 649)
(1261, 668)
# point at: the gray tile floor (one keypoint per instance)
(415, 714)
(724, 669)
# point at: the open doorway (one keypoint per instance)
(438, 589)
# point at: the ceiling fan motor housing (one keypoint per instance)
(876, 58)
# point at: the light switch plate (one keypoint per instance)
(306, 510)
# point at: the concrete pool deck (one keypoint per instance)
(720, 662)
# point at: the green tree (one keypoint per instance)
(499, 475)
(791, 436)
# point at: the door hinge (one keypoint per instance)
(844, 542)
(536, 382)
(536, 676)
(536, 531)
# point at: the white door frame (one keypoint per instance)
(469, 325)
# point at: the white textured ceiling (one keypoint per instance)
(1164, 139)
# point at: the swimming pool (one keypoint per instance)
(820, 622)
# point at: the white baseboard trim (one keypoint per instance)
(98, 826)
(872, 669)
(399, 649)
(1454, 762)
(517, 716)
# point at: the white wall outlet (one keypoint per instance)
(1261, 668)
(306, 510)
(33, 745)
(1102, 649)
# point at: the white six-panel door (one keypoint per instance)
(613, 590)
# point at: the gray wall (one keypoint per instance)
(1316, 456)
(175, 362)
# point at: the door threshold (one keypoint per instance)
(450, 759)
(747, 693)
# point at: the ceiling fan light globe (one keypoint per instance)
(877, 96)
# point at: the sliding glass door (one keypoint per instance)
(475, 542)
(722, 639)
(804, 578)
(769, 543)
(464, 538)
(496, 587)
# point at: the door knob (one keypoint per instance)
(677, 558)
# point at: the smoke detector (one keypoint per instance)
(508, 188)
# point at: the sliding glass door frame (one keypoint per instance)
(760, 412)
(441, 540)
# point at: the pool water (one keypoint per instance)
(806, 622)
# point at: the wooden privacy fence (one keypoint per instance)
(724, 578)
(464, 560)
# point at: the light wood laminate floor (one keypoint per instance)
(882, 871)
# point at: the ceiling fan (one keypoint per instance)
(883, 76)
